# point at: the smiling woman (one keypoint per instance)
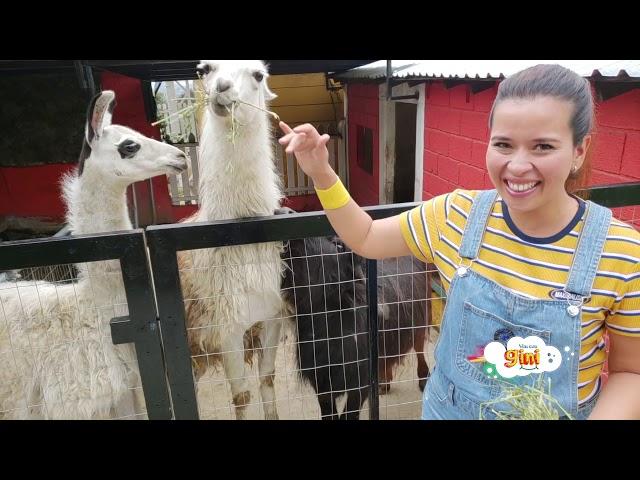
(540, 124)
(527, 258)
(529, 158)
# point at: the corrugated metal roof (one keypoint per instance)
(486, 69)
(158, 70)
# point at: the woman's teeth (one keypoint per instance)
(521, 187)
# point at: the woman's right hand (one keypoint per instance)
(311, 152)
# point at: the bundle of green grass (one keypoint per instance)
(526, 402)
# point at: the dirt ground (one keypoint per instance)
(296, 400)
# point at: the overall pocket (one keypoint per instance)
(477, 329)
(435, 400)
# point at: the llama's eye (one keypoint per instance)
(258, 76)
(128, 148)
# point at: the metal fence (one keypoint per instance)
(336, 302)
(60, 340)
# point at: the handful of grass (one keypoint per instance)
(527, 402)
(201, 100)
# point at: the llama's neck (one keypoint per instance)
(95, 204)
(237, 180)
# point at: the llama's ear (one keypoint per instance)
(268, 94)
(99, 114)
(202, 69)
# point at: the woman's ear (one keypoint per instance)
(581, 151)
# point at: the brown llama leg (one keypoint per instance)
(418, 345)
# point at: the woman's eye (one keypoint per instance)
(543, 146)
(501, 145)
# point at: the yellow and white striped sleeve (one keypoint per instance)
(418, 230)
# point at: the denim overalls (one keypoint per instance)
(477, 308)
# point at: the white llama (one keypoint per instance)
(236, 289)
(56, 355)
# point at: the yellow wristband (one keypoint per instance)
(334, 197)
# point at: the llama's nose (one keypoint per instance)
(222, 85)
(182, 164)
(180, 160)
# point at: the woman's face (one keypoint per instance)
(531, 152)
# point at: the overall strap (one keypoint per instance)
(589, 249)
(476, 223)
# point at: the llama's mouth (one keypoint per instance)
(179, 168)
(221, 110)
(221, 106)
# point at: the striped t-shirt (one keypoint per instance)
(535, 267)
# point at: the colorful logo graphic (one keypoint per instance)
(522, 356)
